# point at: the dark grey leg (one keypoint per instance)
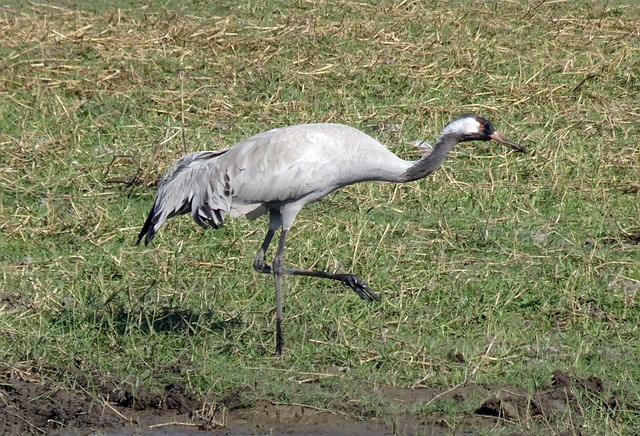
(277, 274)
(278, 269)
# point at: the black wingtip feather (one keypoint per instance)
(147, 229)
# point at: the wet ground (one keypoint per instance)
(100, 404)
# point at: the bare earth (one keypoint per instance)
(100, 404)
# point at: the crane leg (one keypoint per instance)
(275, 222)
(258, 263)
(278, 270)
(358, 285)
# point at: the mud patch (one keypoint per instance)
(94, 402)
(29, 405)
(558, 401)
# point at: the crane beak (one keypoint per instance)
(497, 137)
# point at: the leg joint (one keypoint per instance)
(259, 265)
(278, 265)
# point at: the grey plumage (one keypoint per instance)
(281, 170)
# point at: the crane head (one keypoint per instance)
(472, 127)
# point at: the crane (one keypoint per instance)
(282, 170)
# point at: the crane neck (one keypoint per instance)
(429, 163)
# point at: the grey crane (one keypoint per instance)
(281, 170)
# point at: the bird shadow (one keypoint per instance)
(124, 320)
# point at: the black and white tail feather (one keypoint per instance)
(191, 185)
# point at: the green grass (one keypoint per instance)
(524, 264)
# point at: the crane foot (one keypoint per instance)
(360, 287)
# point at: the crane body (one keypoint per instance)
(281, 170)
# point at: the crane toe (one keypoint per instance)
(360, 287)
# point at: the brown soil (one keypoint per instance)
(29, 404)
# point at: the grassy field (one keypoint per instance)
(497, 270)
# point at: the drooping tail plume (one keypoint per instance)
(193, 184)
